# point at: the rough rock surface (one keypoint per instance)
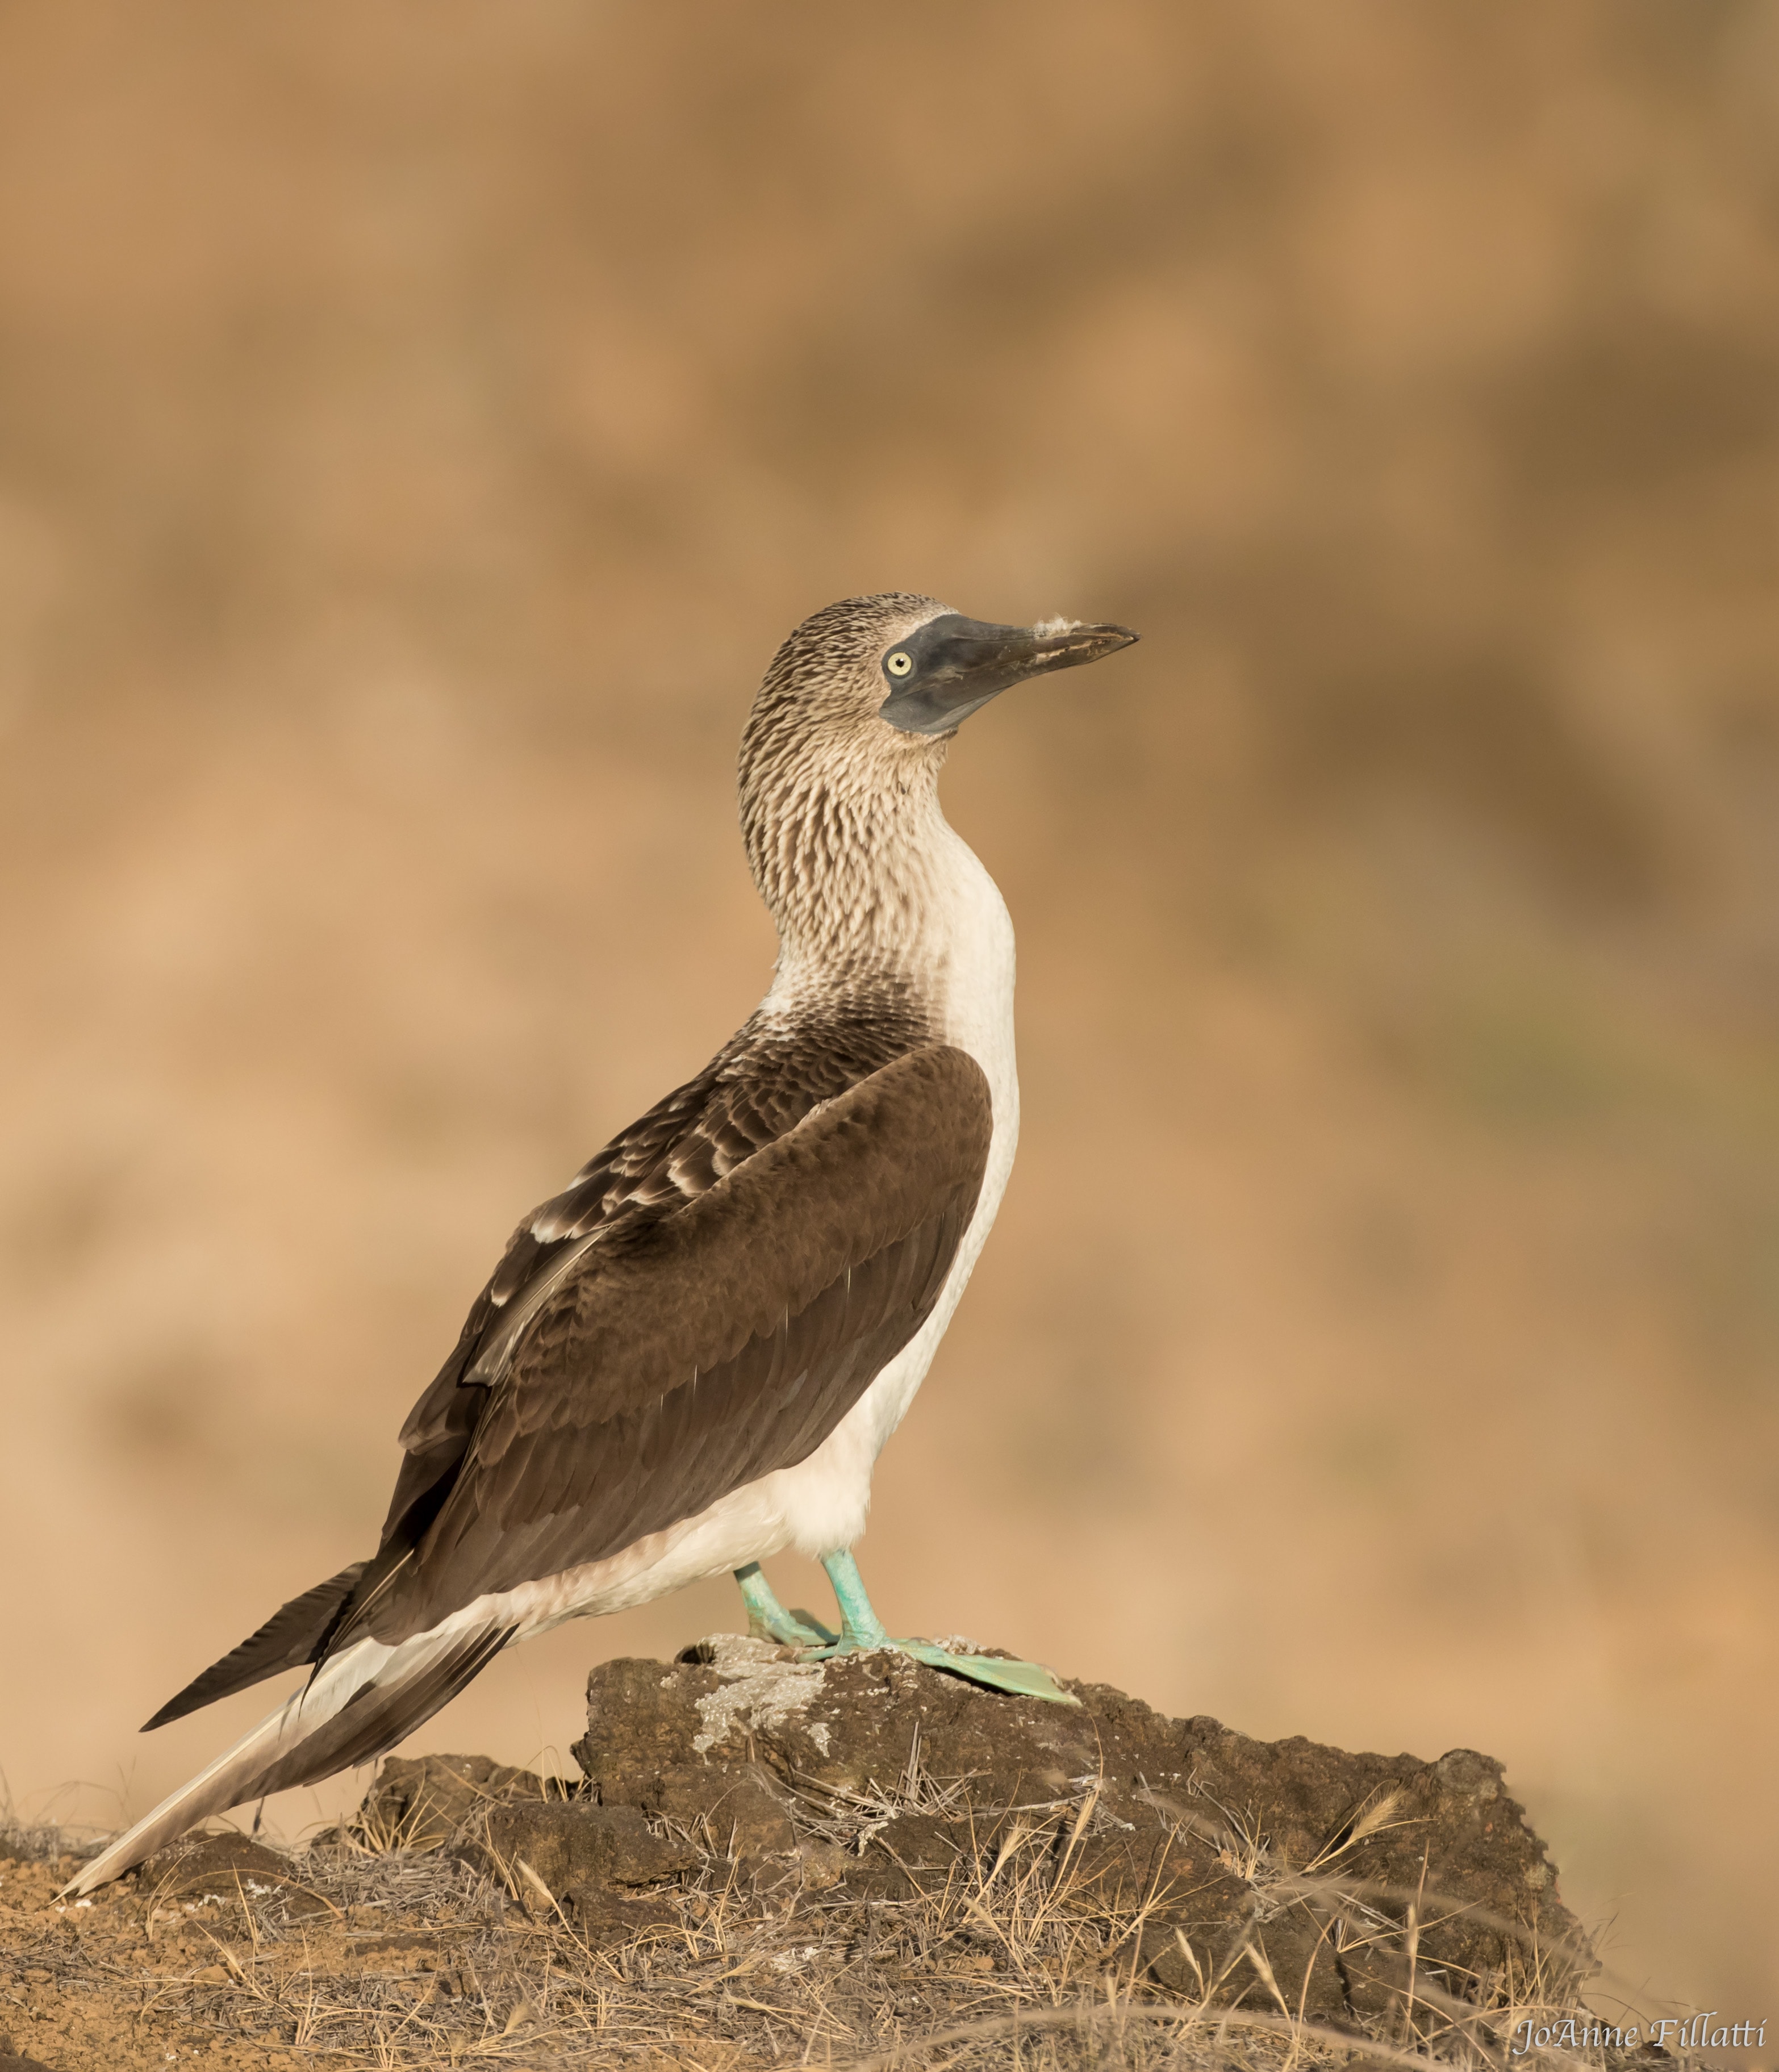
(550, 1850)
(219, 1867)
(1276, 1873)
(431, 1802)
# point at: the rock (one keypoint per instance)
(427, 1802)
(642, 1719)
(651, 1726)
(576, 1852)
(1253, 1871)
(215, 1866)
(741, 1808)
(548, 1845)
(1214, 1866)
(584, 1860)
(822, 1866)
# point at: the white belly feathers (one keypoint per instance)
(820, 1505)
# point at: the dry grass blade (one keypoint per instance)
(1343, 2046)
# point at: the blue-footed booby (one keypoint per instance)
(690, 1358)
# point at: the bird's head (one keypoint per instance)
(878, 685)
(841, 752)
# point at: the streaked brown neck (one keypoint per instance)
(847, 849)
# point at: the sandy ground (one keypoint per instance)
(418, 428)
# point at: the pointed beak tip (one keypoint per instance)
(1114, 635)
(1101, 641)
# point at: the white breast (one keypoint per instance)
(965, 961)
(967, 944)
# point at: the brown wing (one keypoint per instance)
(760, 1086)
(751, 1094)
(678, 1356)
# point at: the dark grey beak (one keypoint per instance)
(952, 666)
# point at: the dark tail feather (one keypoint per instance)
(379, 1714)
(289, 1639)
(358, 1702)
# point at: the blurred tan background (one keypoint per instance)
(418, 424)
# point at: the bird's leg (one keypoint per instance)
(860, 1626)
(768, 1620)
(861, 1629)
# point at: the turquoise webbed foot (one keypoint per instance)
(1024, 1679)
(861, 1629)
(768, 1620)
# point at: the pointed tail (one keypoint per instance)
(358, 1704)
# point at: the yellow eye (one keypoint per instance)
(899, 665)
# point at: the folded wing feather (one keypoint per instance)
(673, 1348)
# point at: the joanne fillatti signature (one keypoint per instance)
(1695, 2033)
